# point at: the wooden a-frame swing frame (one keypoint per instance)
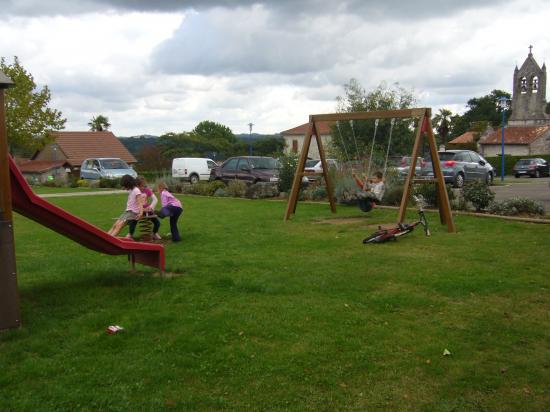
(424, 127)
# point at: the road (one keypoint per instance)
(535, 189)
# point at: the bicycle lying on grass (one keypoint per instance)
(384, 235)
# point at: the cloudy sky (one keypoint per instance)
(160, 66)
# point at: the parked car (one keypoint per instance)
(251, 169)
(192, 169)
(461, 166)
(105, 167)
(531, 167)
(316, 166)
(404, 166)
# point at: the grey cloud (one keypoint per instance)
(207, 44)
(369, 9)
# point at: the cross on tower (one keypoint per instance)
(530, 49)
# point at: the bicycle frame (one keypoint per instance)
(384, 235)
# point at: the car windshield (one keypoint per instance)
(446, 155)
(114, 164)
(264, 163)
(311, 163)
(523, 162)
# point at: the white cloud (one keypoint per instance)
(269, 63)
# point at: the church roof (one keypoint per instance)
(516, 135)
(467, 137)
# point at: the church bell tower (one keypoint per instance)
(529, 94)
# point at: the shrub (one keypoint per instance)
(236, 188)
(315, 192)
(478, 194)
(216, 185)
(82, 183)
(220, 193)
(429, 192)
(109, 183)
(261, 190)
(289, 163)
(517, 206)
(393, 194)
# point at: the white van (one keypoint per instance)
(192, 168)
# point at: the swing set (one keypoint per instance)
(423, 130)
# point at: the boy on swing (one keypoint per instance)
(372, 190)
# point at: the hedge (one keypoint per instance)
(510, 161)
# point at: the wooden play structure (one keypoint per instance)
(423, 130)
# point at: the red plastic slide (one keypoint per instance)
(34, 207)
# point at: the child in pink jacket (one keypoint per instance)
(170, 207)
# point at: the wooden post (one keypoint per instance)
(10, 315)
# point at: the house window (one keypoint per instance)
(523, 85)
(295, 146)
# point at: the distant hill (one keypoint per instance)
(135, 143)
(245, 137)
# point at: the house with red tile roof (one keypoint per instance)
(518, 141)
(75, 147)
(294, 139)
(42, 171)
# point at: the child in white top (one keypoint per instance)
(134, 205)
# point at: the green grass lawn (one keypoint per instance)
(47, 190)
(297, 316)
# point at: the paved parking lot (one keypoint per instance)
(535, 189)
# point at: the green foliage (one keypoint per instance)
(28, 117)
(208, 139)
(82, 183)
(99, 123)
(261, 190)
(429, 192)
(478, 193)
(354, 139)
(393, 194)
(203, 188)
(517, 206)
(289, 163)
(442, 123)
(272, 146)
(150, 157)
(314, 192)
(236, 188)
(109, 183)
(483, 108)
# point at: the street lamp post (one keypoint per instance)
(503, 104)
(250, 138)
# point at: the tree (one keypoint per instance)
(151, 158)
(483, 108)
(355, 139)
(442, 123)
(29, 120)
(270, 146)
(99, 123)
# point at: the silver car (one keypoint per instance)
(106, 168)
(461, 166)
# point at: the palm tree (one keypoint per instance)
(442, 123)
(99, 123)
